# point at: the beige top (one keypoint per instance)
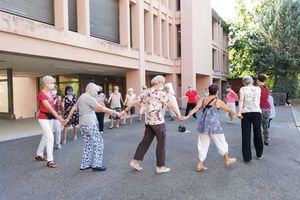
(115, 100)
(130, 98)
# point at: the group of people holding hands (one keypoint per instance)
(90, 106)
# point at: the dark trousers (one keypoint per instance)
(190, 106)
(151, 131)
(100, 117)
(251, 119)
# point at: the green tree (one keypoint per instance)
(240, 31)
(275, 45)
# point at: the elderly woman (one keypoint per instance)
(46, 116)
(115, 101)
(93, 142)
(130, 96)
(172, 99)
(101, 99)
(67, 104)
(249, 107)
(209, 127)
(153, 100)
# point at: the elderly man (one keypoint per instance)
(93, 142)
(153, 100)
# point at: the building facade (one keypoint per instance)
(109, 42)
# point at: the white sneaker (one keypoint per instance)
(160, 170)
(136, 166)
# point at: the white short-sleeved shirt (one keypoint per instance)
(86, 106)
(251, 99)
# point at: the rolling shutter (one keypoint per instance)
(38, 10)
(104, 19)
(72, 13)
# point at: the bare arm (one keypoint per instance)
(100, 108)
(125, 100)
(223, 106)
(74, 108)
(173, 108)
(241, 102)
(122, 100)
(48, 106)
(197, 107)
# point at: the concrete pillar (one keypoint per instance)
(173, 78)
(83, 17)
(202, 82)
(136, 78)
(61, 14)
(124, 17)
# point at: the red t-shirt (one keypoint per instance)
(264, 98)
(192, 96)
(42, 96)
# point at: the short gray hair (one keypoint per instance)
(158, 79)
(92, 85)
(47, 79)
(247, 80)
(130, 90)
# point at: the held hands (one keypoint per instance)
(63, 121)
(122, 113)
(181, 118)
(240, 116)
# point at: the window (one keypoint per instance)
(156, 35)
(64, 81)
(178, 31)
(213, 58)
(178, 5)
(213, 30)
(3, 92)
(130, 24)
(72, 13)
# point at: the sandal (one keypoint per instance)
(40, 158)
(51, 164)
(111, 127)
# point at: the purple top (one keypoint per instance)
(210, 120)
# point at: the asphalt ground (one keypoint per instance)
(277, 176)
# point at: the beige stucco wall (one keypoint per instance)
(20, 36)
(24, 90)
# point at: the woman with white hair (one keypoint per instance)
(46, 116)
(115, 101)
(130, 96)
(172, 99)
(153, 100)
(93, 142)
(101, 99)
(249, 107)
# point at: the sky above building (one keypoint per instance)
(226, 8)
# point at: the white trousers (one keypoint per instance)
(204, 141)
(47, 139)
(57, 130)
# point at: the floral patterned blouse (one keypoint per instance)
(101, 99)
(153, 101)
(251, 99)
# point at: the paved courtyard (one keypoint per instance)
(277, 176)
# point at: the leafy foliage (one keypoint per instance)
(267, 40)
